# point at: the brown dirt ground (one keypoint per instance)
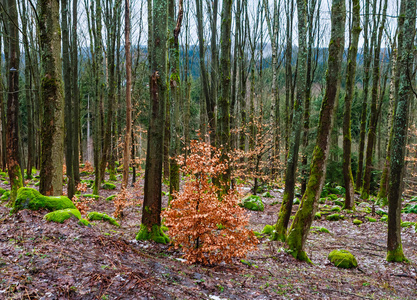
(41, 260)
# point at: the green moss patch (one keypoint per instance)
(110, 198)
(339, 202)
(342, 259)
(384, 218)
(336, 209)
(380, 212)
(5, 196)
(28, 198)
(370, 219)
(252, 202)
(357, 222)
(333, 217)
(268, 229)
(84, 222)
(317, 216)
(155, 234)
(332, 197)
(410, 209)
(407, 224)
(95, 197)
(108, 186)
(60, 216)
(317, 229)
(96, 216)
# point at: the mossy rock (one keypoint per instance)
(407, 224)
(339, 202)
(414, 199)
(3, 174)
(384, 218)
(110, 198)
(2, 191)
(5, 182)
(37, 183)
(357, 222)
(61, 215)
(322, 200)
(85, 173)
(155, 234)
(5, 196)
(96, 216)
(370, 219)
(319, 229)
(108, 186)
(333, 217)
(332, 197)
(268, 229)
(343, 259)
(252, 202)
(317, 216)
(296, 201)
(335, 209)
(267, 195)
(95, 197)
(28, 198)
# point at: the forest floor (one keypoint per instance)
(42, 260)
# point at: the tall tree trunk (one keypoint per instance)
(350, 89)
(288, 74)
(98, 103)
(209, 99)
(304, 217)
(52, 131)
(292, 159)
(15, 174)
(75, 96)
(111, 24)
(175, 85)
(28, 93)
(66, 71)
(224, 99)
(393, 95)
(366, 64)
(151, 215)
(374, 109)
(128, 96)
(407, 22)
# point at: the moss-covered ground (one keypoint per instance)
(71, 261)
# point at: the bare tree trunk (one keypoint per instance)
(52, 131)
(292, 159)
(350, 89)
(407, 25)
(128, 96)
(374, 109)
(151, 215)
(66, 71)
(15, 174)
(300, 227)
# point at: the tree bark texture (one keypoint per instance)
(52, 131)
(394, 246)
(304, 217)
